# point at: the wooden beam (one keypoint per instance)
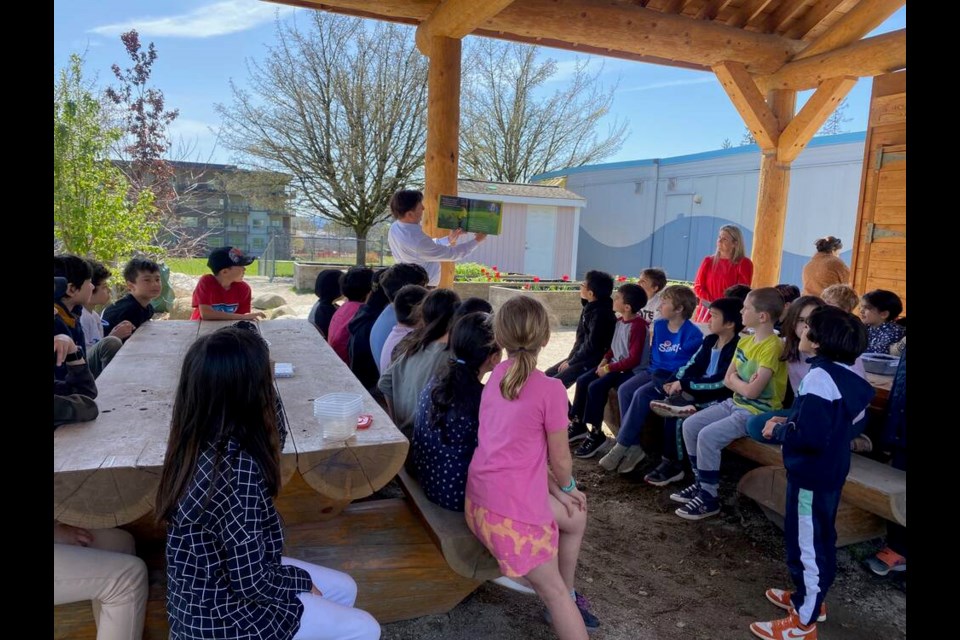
(812, 19)
(750, 10)
(783, 14)
(443, 136)
(710, 10)
(772, 194)
(455, 19)
(673, 7)
(619, 29)
(858, 22)
(749, 102)
(864, 58)
(811, 117)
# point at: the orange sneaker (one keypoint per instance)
(885, 561)
(781, 598)
(788, 628)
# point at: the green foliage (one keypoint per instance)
(91, 211)
(471, 272)
(198, 267)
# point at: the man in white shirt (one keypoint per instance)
(409, 243)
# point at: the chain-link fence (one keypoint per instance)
(333, 250)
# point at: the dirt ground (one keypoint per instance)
(649, 574)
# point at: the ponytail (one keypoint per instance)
(522, 327)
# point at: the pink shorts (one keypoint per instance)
(519, 547)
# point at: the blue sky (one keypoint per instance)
(203, 44)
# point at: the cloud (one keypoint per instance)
(668, 83)
(217, 19)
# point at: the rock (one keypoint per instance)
(182, 284)
(268, 301)
(182, 308)
(283, 310)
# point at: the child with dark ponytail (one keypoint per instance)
(448, 413)
(530, 516)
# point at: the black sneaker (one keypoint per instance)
(666, 472)
(589, 447)
(576, 431)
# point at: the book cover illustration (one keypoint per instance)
(467, 214)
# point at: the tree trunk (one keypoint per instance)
(361, 247)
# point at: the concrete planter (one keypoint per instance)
(305, 274)
(563, 306)
(473, 289)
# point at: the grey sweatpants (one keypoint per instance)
(706, 433)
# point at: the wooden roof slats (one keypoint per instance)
(853, 25)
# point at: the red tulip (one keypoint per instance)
(565, 278)
(494, 267)
(536, 278)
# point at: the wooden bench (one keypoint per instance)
(460, 548)
(873, 494)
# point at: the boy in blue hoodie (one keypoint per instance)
(816, 454)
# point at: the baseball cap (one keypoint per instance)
(226, 257)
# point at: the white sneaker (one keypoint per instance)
(510, 583)
(612, 460)
(634, 456)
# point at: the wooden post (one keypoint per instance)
(443, 136)
(772, 201)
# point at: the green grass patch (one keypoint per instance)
(198, 267)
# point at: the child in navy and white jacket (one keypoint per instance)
(816, 454)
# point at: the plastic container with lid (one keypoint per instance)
(337, 414)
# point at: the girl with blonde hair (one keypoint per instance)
(530, 516)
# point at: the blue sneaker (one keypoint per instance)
(703, 506)
(590, 621)
(686, 495)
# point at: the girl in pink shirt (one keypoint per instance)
(530, 516)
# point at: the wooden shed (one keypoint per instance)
(762, 52)
(539, 232)
(880, 249)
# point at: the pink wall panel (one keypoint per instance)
(505, 250)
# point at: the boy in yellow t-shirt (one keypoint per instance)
(758, 379)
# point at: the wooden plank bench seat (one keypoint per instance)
(873, 494)
(463, 552)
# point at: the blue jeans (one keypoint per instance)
(756, 423)
(635, 395)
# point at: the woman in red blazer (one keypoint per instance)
(728, 266)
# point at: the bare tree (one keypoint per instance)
(835, 123)
(509, 134)
(726, 144)
(340, 106)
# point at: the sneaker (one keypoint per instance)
(509, 583)
(861, 444)
(686, 495)
(676, 406)
(634, 456)
(576, 431)
(666, 472)
(703, 506)
(788, 628)
(612, 460)
(589, 447)
(590, 621)
(781, 598)
(886, 561)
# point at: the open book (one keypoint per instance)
(476, 216)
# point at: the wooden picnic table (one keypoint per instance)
(106, 471)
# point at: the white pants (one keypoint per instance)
(333, 616)
(107, 573)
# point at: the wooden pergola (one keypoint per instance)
(762, 52)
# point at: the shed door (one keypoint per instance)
(672, 252)
(884, 224)
(540, 239)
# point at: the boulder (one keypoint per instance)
(284, 310)
(182, 308)
(268, 301)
